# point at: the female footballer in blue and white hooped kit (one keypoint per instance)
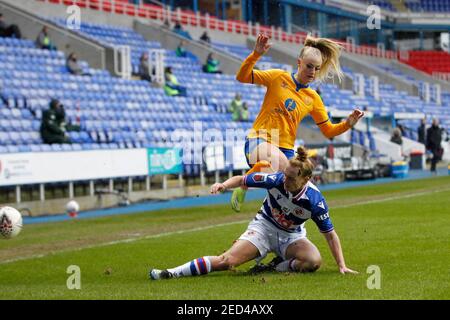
(278, 227)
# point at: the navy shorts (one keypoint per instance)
(252, 143)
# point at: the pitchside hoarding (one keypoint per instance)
(47, 167)
(164, 161)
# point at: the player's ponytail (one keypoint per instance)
(330, 52)
(302, 162)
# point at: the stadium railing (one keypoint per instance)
(189, 18)
(441, 75)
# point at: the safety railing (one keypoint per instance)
(190, 18)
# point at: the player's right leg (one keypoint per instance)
(301, 256)
(241, 252)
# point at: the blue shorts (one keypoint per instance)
(252, 143)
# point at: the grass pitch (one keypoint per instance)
(403, 228)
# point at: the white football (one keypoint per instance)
(72, 207)
(10, 222)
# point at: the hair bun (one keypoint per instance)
(302, 154)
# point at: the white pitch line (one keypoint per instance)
(164, 234)
(153, 236)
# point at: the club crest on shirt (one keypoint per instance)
(284, 85)
(298, 212)
(259, 177)
(290, 104)
(307, 100)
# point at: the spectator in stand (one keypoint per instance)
(330, 149)
(172, 86)
(244, 113)
(434, 139)
(402, 129)
(212, 65)
(178, 29)
(73, 66)
(421, 131)
(177, 26)
(236, 107)
(53, 125)
(397, 136)
(205, 38)
(11, 31)
(144, 71)
(43, 40)
(181, 51)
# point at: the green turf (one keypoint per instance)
(406, 237)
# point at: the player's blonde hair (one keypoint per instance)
(330, 52)
(303, 163)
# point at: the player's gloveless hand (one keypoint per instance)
(345, 270)
(354, 117)
(217, 187)
(262, 44)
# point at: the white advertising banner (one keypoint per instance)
(45, 167)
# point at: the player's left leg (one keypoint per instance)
(241, 252)
(301, 256)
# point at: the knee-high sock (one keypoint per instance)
(258, 167)
(195, 267)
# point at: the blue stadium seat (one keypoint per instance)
(24, 148)
(13, 149)
(35, 148)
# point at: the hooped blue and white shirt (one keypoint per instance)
(287, 211)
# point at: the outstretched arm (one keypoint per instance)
(233, 182)
(336, 249)
(253, 180)
(245, 73)
(331, 130)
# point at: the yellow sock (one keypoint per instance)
(259, 166)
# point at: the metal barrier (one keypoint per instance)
(122, 61)
(206, 21)
(156, 62)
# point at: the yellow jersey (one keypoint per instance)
(285, 105)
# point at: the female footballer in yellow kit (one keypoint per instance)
(270, 143)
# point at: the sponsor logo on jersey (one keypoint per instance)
(272, 177)
(290, 104)
(321, 205)
(323, 216)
